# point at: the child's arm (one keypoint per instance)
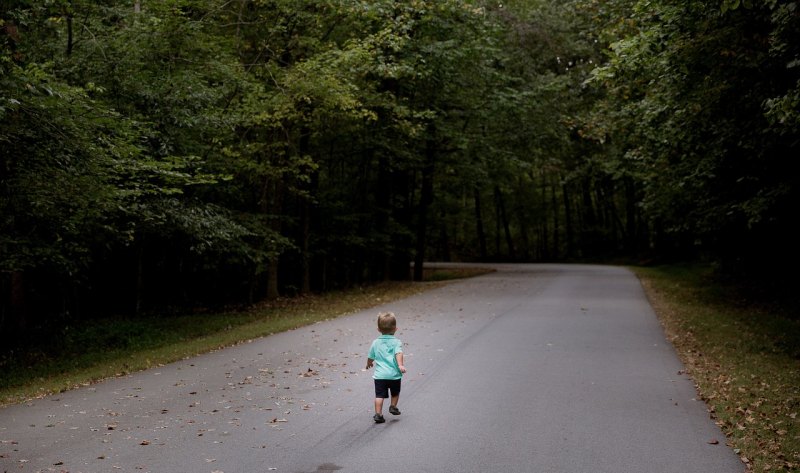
(400, 365)
(369, 363)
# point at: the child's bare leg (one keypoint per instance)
(378, 405)
(395, 398)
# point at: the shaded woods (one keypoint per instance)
(159, 155)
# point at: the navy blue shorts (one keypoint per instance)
(382, 387)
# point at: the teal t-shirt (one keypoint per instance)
(383, 351)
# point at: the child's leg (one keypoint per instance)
(395, 398)
(381, 392)
(395, 391)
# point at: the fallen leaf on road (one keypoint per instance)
(145, 442)
(713, 442)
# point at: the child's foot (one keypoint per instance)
(393, 410)
(378, 419)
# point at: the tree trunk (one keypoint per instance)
(545, 244)
(556, 221)
(445, 239)
(272, 205)
(306, 215)
(631, 238)
(69, 29)
(426, 198)
(590, 217)
(305, 250)
(569, 231)
(137, 306)
(19, 306)
(618, 227)
(383, 199)
(272, 279)
(588, 225)
(523, 222)
(501, 206)
(497, 224)
(479, 225)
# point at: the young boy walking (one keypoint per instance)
(386, 353)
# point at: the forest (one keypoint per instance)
(163, 155)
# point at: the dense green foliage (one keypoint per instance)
(194, 152)
(703, 105)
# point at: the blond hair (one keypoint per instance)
(387, 324)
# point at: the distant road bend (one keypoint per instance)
(530, 369)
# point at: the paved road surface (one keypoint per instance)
(534, 369)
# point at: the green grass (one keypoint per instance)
(85, 352)
(743, 352)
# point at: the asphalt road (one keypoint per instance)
(534, 368)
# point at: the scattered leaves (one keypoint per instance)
(749, 383)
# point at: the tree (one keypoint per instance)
(84, 170)
(696, 86)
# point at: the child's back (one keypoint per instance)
(386, 354)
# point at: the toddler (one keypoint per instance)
(386, 353)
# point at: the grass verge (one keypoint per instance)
(744, 356)
(88, 351)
